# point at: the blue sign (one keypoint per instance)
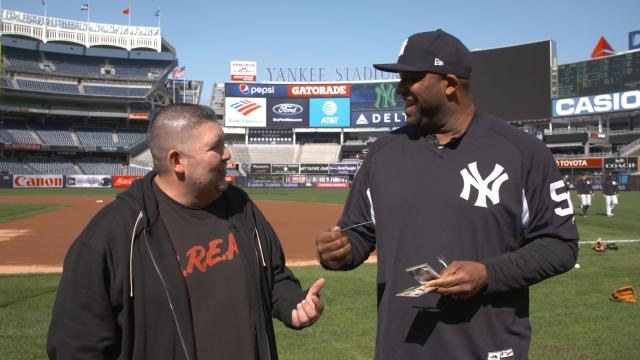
(393, 118)
(634, 40)
(287, 112)
(255, 90)
(380, 96)
(329, 112)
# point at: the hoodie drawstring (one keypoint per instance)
(133, 239)
(260, 247)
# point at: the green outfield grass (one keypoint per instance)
(571, 315)
(13, 211)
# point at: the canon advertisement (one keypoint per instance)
(287, 113)
(38, 181)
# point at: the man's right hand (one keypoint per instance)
(333, 248)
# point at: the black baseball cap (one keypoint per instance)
(435, 51)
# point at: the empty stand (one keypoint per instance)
(14, 167)
(123, 91)
(53, 167)
(319, 153)
(95, 136)
(18, 133)
(48, 86)
(54, 135)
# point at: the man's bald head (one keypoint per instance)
(171, 128)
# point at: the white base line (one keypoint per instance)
(610, 240)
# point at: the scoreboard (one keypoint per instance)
(612, 74)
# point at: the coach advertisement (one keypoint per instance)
(38, 181)
(91, 181)
(616, 164)
(287, 113)
(314, 168)
(245, 112)
(285, 168)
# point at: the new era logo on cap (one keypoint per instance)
(435, 51)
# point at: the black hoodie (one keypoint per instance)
(122, 295)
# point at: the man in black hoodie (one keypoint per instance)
(180, 266)
(460, 184)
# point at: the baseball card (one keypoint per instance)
(422, 273)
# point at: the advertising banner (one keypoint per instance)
(103, 181)
(393, 118)
(580, 163)
(245, 112)
(138, 116)
(314, 168)
(615, 164)
(6, 181)
(285, 168)
(343, 168)
(243, 70)
(320, 90)
(379, 96)
(332, 185)
(38, 181)
(109, 148)
(255, 90)
(124, 182)
(32, 147)
(329, 112)
(598, 104)
(260, 169)
(287, 112)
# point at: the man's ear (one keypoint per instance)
(453, 82)
(176, 161)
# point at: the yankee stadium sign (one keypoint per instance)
(604, 103)
(304, 74)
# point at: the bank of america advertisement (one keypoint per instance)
(329, 112)
(245, 112)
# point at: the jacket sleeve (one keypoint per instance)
(549, 243)
(286, 292)
(357, 210)
(83, 323)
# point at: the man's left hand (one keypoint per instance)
(308, 311)
(462, 279)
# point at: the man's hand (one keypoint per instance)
(462, 279)
(308, 311)
(333, 248)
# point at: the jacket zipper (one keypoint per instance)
(164, 285)
(258, 257)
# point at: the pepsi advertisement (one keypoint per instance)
(287, 112)
(255, 90)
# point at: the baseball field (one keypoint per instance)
(571, 315)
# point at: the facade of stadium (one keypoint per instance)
(76, 98)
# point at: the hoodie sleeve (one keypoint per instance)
(286, 292)
(550, 238)
(83, 324)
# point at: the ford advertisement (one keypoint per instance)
(287, 112)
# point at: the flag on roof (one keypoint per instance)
(125, 11)
(84, 7)
(179, 72)
(157, 13)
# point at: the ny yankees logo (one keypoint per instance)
(482, 185)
